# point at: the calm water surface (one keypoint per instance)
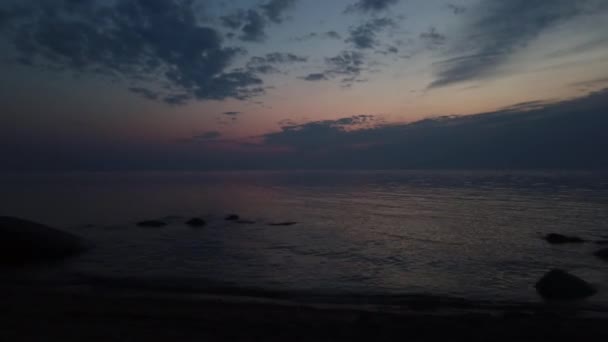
(468, 234)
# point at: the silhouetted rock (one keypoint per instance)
(558, 284)
(196, 222)
(282, 224)
(602, 254)
(245, 222)
(232, 217)
(152, 224)
(561, 239)
(24, 242)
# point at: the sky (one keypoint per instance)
(211, 84)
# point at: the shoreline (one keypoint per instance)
(96, 311)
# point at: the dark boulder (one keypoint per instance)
(602, 254)
(151, 224)
(232, 217)
(24, 242)
(561, 239)
(196, 222)
(558, 284)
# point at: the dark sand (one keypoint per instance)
(86, 312)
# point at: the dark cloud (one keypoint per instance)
(317, 134)
(348, 64)
(232, 113)
(497, 29)
(568, 134)
(252, 23)
(315, 77)
(328, 34)
(177, 99)
(274, 9)
(235, 20)
(152, 41)
(145, 93)
(456, 9)
(591, 84)
(371, 5)
(332, 34)
(206, 136)
(364, 36)
(432, 37)
(254, 28)
(270, 62)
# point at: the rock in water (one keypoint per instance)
(561, 239)
(151, 224)
(284, 224)
(232, 217)
(602, 254)
(558, 284)
(196, 222)
(24, 242)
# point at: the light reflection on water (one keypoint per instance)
(472, 234)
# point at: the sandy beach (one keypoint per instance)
(86, 312)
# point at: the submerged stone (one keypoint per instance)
(559, 284)
(196, 222)
(278, 224)
(232, 217)
(602, 254)
(561, 239)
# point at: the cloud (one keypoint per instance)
(252, 23)
(498, 29)
(566, 134)
(371, 5)
(364, 36)
(347, 64)
(270, 62)
(232, 113)
(456, 9)
(235, 20)
(315, 77)
(154, 42)
(207, 136)
(145, 93)
(254, 27)
(591, 84)
(274, 9)
(327, 34)
(317, 134)
(432, 37)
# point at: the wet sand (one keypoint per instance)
(101, 313)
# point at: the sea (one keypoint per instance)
(467, 234)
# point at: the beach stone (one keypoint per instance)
(151, 224)
(562, 239)
(25, 242)
(232, 217)
(196, 222)
(559, 284)
(602, 254)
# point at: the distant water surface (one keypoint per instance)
(468, 234)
